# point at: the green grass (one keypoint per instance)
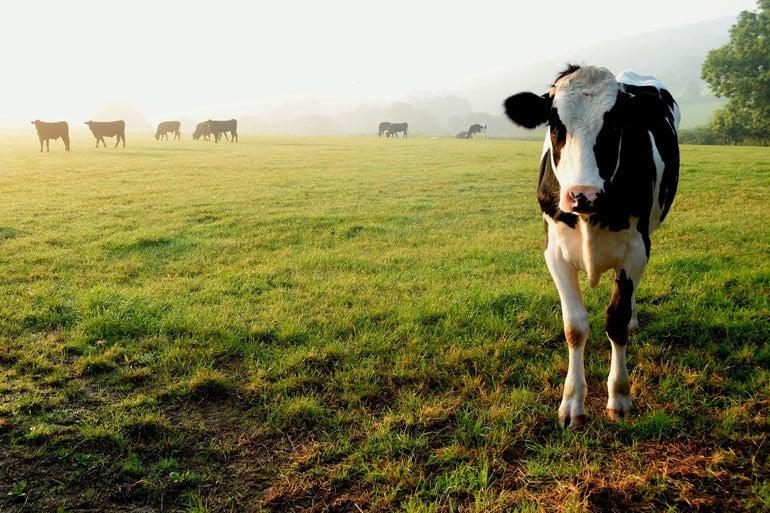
(335, 324)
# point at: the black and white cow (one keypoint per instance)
(475, 129)
(382, 129)
(395, 128)
(608, 175)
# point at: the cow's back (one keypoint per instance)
(108, 128)
(169, 126)
(634, 83)
(53, 129)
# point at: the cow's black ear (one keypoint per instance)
(528, 109)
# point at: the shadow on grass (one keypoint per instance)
(7, 233)
(161, 246)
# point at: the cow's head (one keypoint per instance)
(37, 123)
(89, 123)
(583, 111)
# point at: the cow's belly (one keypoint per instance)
(593, 249)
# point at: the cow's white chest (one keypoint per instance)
(593, 249)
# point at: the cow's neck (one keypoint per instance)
(602, 249)
(589, 250)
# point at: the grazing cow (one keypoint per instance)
(202, 129)
(48, 131)
(462, 135)
(476, 129)
(608, 175)
(168, 127)
(383, 128)
(222, 127)
(102, 129)
(395, 128)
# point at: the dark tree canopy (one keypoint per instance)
(740, 71)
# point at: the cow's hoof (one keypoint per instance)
(619, 407)
(571, 422)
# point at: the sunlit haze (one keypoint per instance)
(71, 60)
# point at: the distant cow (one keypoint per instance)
(168, 127)
(383, 128)
(222, 127)
(395, 128)
(476, 129)
(102, 129)
(462, 135)
(56, 130)
(202, 129)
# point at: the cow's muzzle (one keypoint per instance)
(579, 199)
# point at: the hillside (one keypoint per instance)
(674, 55)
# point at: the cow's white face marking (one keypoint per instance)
(580, 101)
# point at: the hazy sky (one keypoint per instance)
(170, 59)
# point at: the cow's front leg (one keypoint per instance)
(565, 276)
(618, 321)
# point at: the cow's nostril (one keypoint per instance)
(576, 195)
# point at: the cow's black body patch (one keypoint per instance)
(619, 312)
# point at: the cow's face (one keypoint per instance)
(90, 124)
(584, 136)
(37, 123)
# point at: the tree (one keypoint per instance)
(740, 71)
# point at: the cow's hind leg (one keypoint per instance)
(633, 323)
(617, 323)
(565, 276)
(47, 145)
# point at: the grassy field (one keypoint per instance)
(355, 325)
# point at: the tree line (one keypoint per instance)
(739, 71)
